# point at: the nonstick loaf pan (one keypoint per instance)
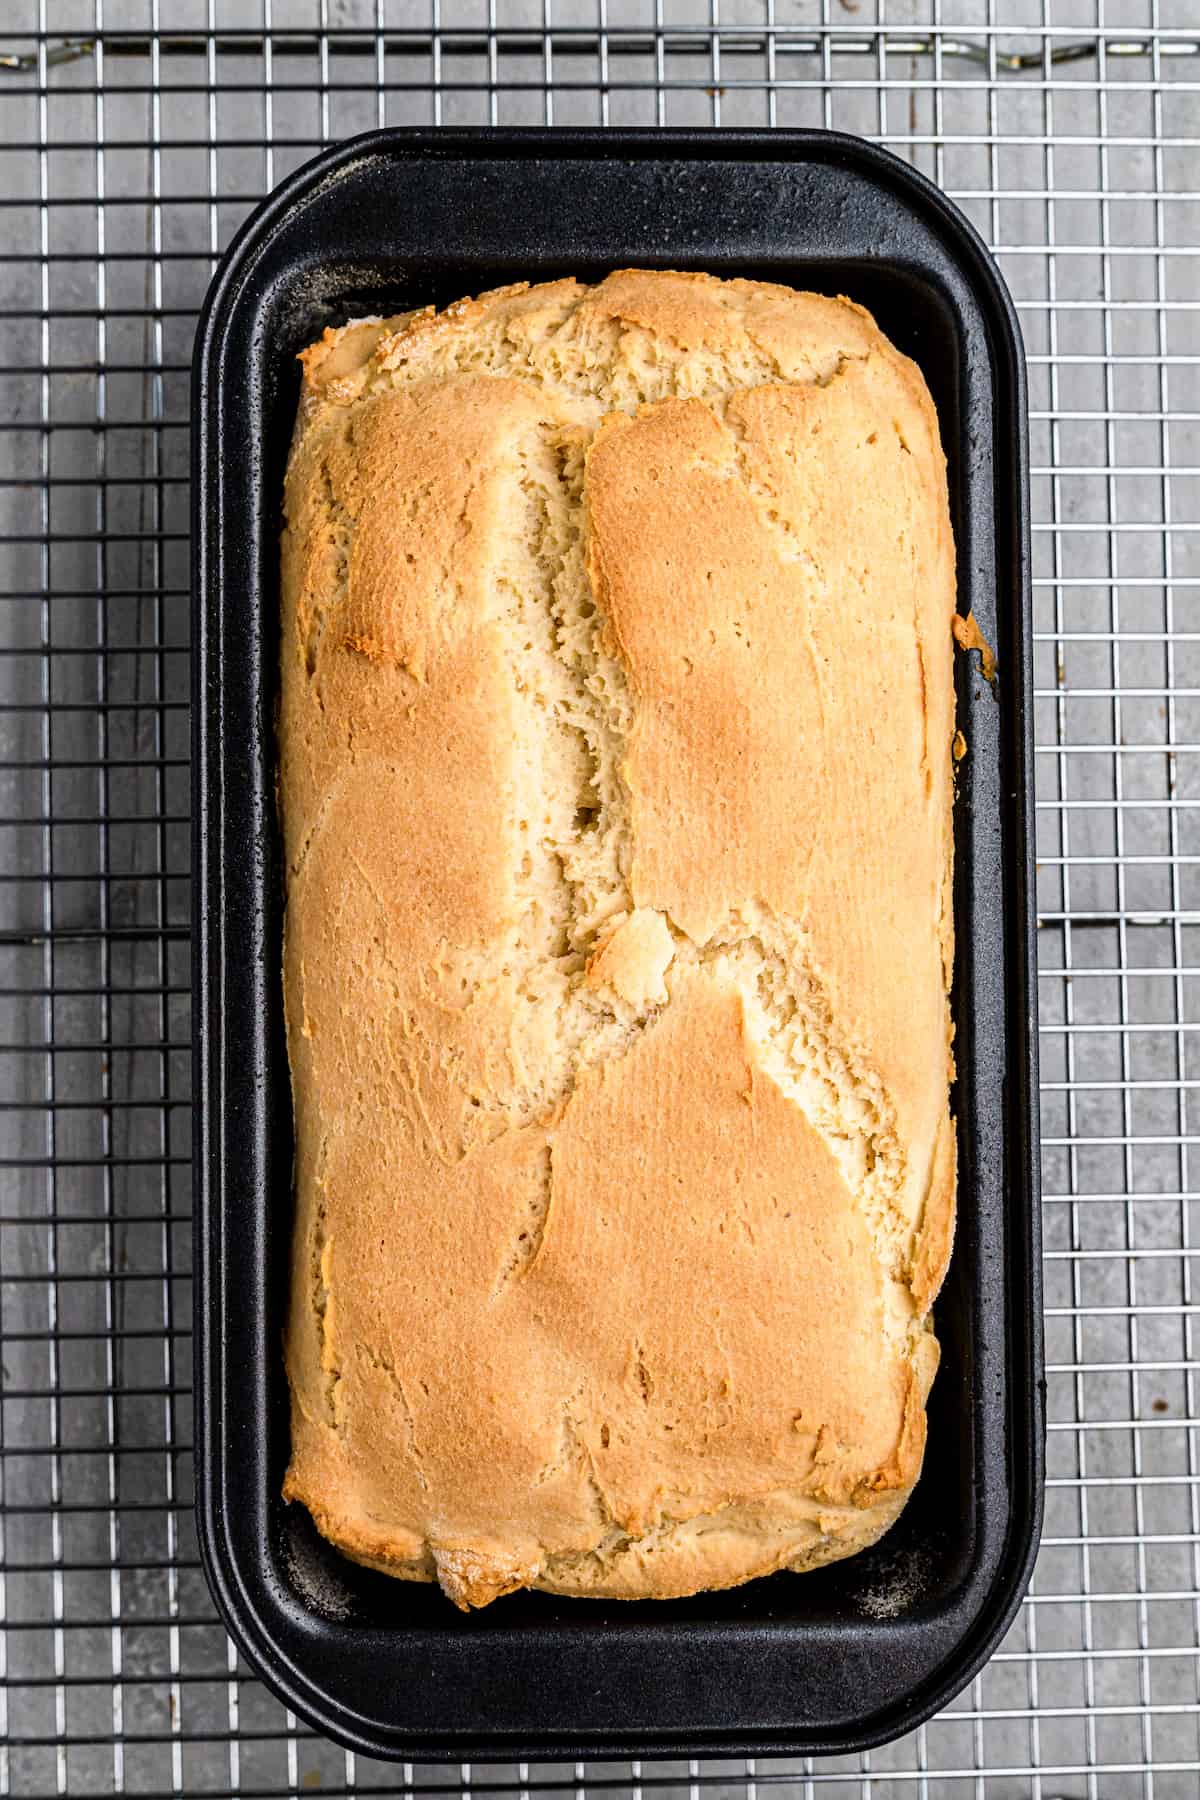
(862, 1650)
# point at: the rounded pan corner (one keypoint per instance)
(995, 1616)
(258, 1635)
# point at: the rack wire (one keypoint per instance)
(136, 135)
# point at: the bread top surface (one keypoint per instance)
(616, 728)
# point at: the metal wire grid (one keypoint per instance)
(128, 159)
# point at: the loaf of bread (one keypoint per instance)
(615, 747)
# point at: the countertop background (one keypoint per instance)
(125, 165)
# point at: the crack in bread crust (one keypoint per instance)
(796, 1036)
(582, 968)
(576, 715)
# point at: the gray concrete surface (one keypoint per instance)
(1085, 177)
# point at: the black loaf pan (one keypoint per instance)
(833, 1661)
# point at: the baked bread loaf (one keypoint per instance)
(615, 744)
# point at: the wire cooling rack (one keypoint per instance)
(135, 138)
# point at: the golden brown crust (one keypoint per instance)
(616, 732)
